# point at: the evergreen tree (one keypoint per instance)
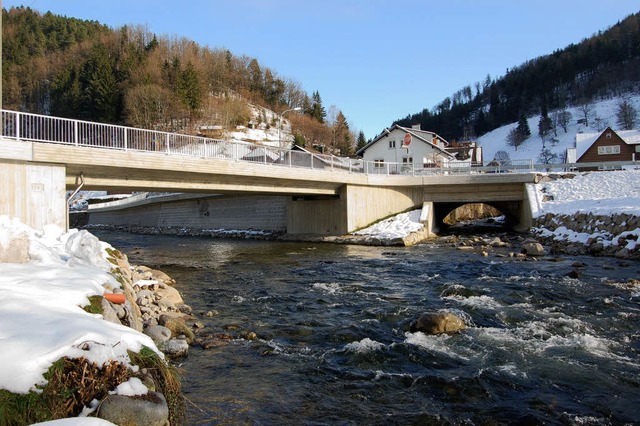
(545, 124)
(343, 141)
(298, 139)
(317, 110)
(256, 80)
(190, 90)
(361, 141)
(102, 100)
(523, 127)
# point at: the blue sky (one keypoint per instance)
(375, 60)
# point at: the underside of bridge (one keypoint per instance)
(510, 209)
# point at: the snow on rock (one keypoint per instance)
(76, 421)
(41, 314)
(132, 387)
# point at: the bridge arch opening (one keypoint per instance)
(499, 216)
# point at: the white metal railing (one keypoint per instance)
(46, 129)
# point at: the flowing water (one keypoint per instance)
(333, 344)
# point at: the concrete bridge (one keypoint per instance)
(41, 157)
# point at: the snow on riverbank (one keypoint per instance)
(398, 226)
(41, 318)
(599, 193)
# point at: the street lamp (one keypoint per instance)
(280, 122)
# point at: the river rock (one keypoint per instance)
(438, 323)
(148, 410)
(177, 325)
(622, 253)
(108, 312)
(174, 348)
(158, 333)
(533, 249)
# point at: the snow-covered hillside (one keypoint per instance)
(604, 114)
(265, 129)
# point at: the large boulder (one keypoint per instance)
(174, 348)
(533, 248)
(158, 333)
(438, 323)
(177, 325)
(146, 410)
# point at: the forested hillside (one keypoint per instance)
(72, 68)
(604, 65)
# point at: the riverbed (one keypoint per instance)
(554, 340)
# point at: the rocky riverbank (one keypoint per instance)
(613, 235)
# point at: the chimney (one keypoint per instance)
(416, 127)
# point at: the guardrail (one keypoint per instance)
(46, 129)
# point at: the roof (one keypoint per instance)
(585, 140)
(419, 134)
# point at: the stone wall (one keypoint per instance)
(266, 213)
(614, 235)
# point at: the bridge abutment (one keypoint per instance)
(33, 193)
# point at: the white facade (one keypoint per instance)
(425, 149)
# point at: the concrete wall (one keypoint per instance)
(317, 216)
(33, 193)
(267, 213)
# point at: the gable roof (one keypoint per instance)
(585, 140)
(422, 135)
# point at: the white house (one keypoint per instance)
(402, 146)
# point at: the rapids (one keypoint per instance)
(333, 344)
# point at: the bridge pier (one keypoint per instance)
(355, 207)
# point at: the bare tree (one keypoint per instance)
(547, 157)
(502, 157)
(515, 138)
(626, 115)
(587, 109)
(562, 118)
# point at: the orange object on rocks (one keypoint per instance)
(118, 298)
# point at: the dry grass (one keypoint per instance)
(72, 385)
(167, 380)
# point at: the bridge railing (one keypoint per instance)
(47, 129)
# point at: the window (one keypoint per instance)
(378, 164)
(608, 135)
(392, 143)
(609, 149)
(407, 160)
(637, 148)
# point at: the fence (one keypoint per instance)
(46, 129)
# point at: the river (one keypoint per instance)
(333, 344)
